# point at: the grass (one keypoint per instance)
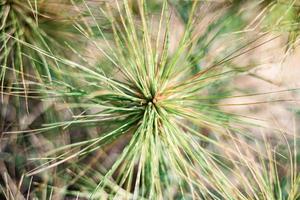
(150, 121)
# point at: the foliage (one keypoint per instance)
(150, 119)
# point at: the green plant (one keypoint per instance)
(180, 142)
(39, 23)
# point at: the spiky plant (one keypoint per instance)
(43, 24)
(161, 110)
(284, 16)
(180, 142)
(264, 174)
